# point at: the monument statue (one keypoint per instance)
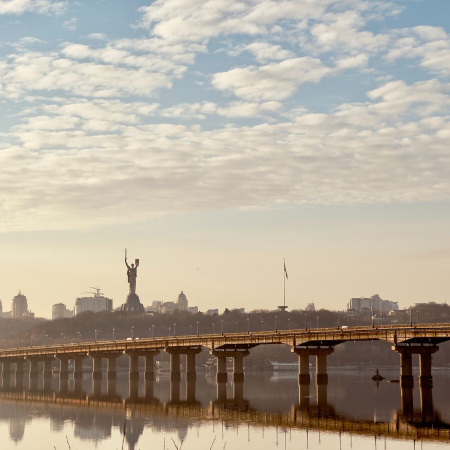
(133, 303)
(132, 274)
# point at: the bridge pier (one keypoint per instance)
(133, 371)
(149, 374)
(175, 354)
(6, 369)
(321, 355)
(425, 353)
(34, 367)
(111, 373)
(78, 367)
(63, 368)
(238, 364)
(96, 367)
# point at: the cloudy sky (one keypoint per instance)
(214, 138)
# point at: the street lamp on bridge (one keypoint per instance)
(132, 332)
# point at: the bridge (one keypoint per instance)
(320, 342)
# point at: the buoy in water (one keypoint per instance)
(377, 376)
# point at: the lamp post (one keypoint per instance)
(289, 323)
(262, 325)
(79, 334)
(417, 312)
(382, 317)
(236, 326)
(46, 340)
(170, 328)
(373, 319)
(174, 329)
(153, 331)
(306, 322)
(114, 334)
(248, 324)
(213, 328)
(197, 327)
(190, 329)
(339, 322)
(132, 332)
(95, 335)
(317, 322)
(410, 316)
(221, 324)
(62, 339)
(276, 329)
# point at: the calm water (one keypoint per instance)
(267, 412)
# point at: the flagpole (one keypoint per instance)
(284, 283)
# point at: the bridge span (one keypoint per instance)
(320, 342)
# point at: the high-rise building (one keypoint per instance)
(96, 303)
(60, 311)
(310, 307)
(1, 309)
(182, 302)
(19, 306)
(374, 303)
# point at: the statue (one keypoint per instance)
(133, 303)
(132, 274)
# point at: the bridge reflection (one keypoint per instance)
(106, 408)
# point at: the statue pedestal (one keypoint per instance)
(133, 304)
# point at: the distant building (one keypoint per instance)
(310, 307)
(193, 309)
(96, 303)
(19, 306)
(60, 311)
(375, 303)
(212, 312)
(1, 309)
(182, 302)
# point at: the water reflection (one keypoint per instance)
(348, 405)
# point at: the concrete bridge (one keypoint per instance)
(319, 342)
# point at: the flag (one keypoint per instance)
(285, 272)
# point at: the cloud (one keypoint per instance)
(18, 7)
(70, 24)
(275, 81)
(265, 51)
(68, 176)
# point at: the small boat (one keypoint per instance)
(377, 376)
(394, 381)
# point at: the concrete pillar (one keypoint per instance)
(111, 387)
(221, 375)
(322, 395)
(149, 390)
(190, 367)
(407, 400)
(175, 390)
(425, 378)
(96, 367)
(238, 366)
(78, 367)
(321, 365)
(63, 368)
(134, 366)
(426, 403)
(48, 368)
(174, 365)
(406, 375)
(134, 387)
(149, 374)
(6, 370)
(112, 366)
(34, 368)
(63, 386)
(303, 365)
(19, 368)
(97, 386)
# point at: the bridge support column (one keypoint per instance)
(63, 367)
(48, 368)
(19, 369)
(406, 375)
(6, 369)
(425, 378)
(221, 375)
(191, 374)
(238, 365)
(112, 366)
(149, 374)
(78, 367)
(96, 367)
(321, 365)
(34, 368)
(303, 365)
(175, 374)
(133, 372)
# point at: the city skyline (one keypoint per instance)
(214, 139)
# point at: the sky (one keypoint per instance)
(215, 138)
